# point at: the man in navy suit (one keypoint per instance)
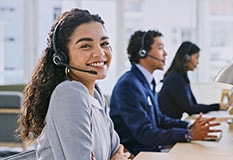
(134, 107)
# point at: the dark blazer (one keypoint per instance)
(176, 97)
(137, 117)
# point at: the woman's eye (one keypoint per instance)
(105, 44)
(86, 46)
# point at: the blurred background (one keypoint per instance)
(24, 27)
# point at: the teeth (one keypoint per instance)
(97, 64)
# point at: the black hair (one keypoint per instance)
(182, 55)
(135, 43)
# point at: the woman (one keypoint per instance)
(176, 96)
(63, 107)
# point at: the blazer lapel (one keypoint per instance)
(152, 97)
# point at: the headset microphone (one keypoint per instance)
(161, 60)
(81, 70)
(58, 61)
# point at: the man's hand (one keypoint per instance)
(201, 127)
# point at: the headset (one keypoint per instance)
(142, 52)
(59, 57)
(187, 57)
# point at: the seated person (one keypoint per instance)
(176, 96)
(134, 107)
(63, 107)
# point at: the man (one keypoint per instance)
(134, 107)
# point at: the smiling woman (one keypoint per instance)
(63, 107)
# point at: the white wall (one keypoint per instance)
(174, 19)
(1, 52)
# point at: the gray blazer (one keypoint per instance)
(76, 125)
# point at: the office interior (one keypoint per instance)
(24, 27)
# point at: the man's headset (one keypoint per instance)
(60, 58)
(142, 52)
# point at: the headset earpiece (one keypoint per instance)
(142, 52)
(59, 57)
(187, 57)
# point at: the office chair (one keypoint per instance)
(10, 103)
(27, 155)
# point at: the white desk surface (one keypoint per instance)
(198, 150)
(152, 156)
(220, 115)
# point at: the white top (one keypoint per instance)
(76, 125)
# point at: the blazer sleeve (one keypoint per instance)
(115, 140)
(180, 92)
(132, 104)
(71, 124)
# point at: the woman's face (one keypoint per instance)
(89, 49)
(193, 61)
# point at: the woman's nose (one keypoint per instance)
(165, 53)
(99, 51)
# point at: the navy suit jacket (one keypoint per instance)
(137, 118)
(176, 97)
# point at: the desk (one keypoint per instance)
(208, 150)
(152, 156)
(221, 116)
(198, 150)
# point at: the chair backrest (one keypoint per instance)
(12, 87)
(10, 103)
(28, 155)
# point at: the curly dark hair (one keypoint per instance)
(48, 75)
(135, 43)
(187, 48)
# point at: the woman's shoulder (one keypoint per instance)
(69, 93)
(69, 90)
(71, 86)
